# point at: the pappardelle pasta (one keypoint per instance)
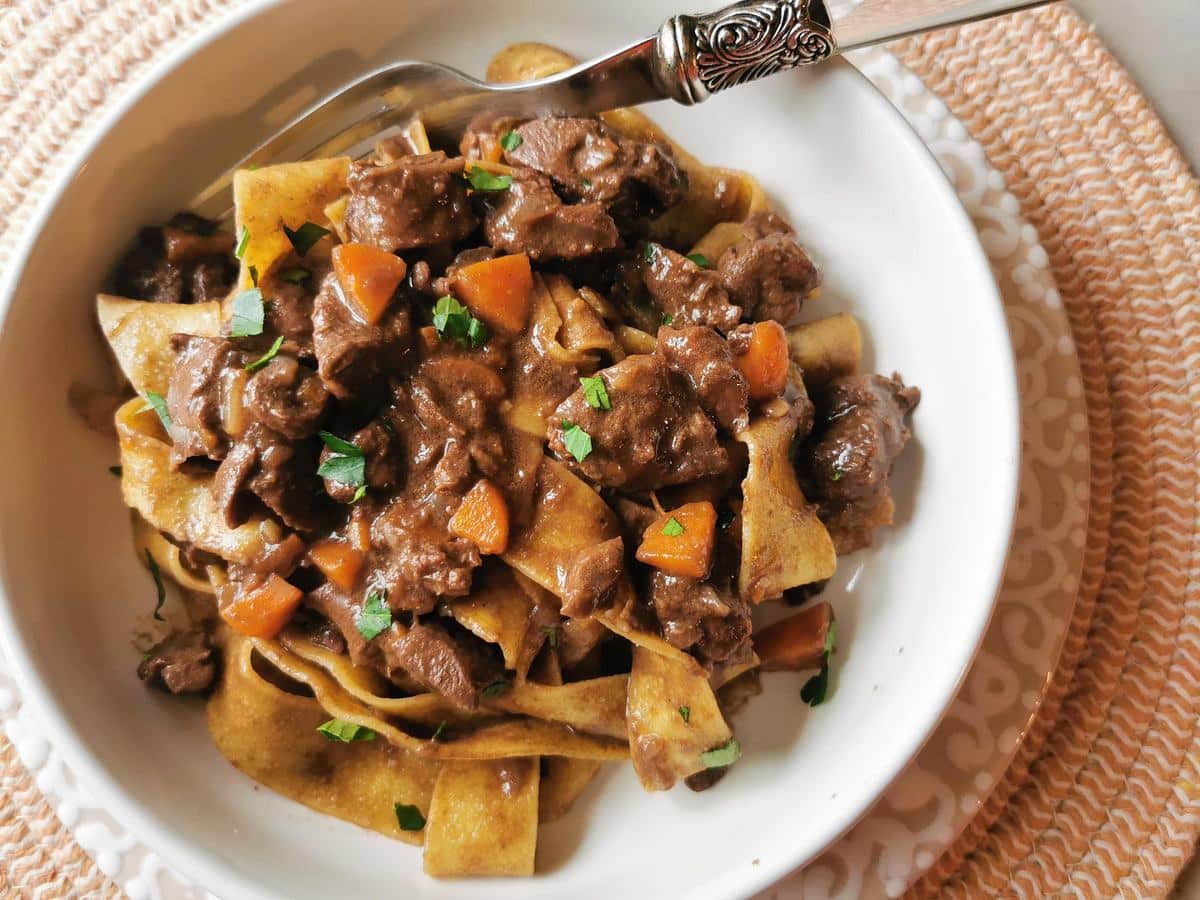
(471, 466)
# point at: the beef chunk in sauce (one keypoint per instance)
(186, 261)
(592, 578)
(530, 218)
(182, 663)
(279, 472)
(685, 293)
(383, 461)
(419, 561)
(415, 201)
(287, 398)
(453, 664)
(770, 275)
(289, 311)
(355, 359)
(703, 357)
(206, 377)
(588, 161)
(656, 434)
(859, 433)
(695, 614)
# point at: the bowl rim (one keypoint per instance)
(211, 873)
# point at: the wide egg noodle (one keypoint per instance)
(175, 501)
(583, 331)
(139, 334)
(664, 742)
(784, 544)
(499, 612)
(290, 194)
(270, 735)
(148, 540)
(483, 818)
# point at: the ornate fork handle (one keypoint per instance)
(696, 56)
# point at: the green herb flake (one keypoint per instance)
(673, 528)
(346, 732)
(437, 735)
(577, 441)
(551, 633)
(816, 688)
(496, 688)
(409, 818)
(155, 401)
(837, 475)
(685, 713)
(719, 757)
(254, 275)
(115, 470)
(510, 141)
(376, 616)
(595, 392)
(159, 588)
(304, 237)
(587, 184)
(345, 463)
(243, 242)
(649, 251)
(266, 357)
(246, 317)
(295, 275)
(359, 494)
(667, 318)
(454, 322)
(477, 333)
(700, 259)
(339, 445)
(483, 180)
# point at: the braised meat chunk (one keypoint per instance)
(530, 218)
(685, 293)
(185, 261)
(355, 359)
(415, 201)
(182, 663)
(452, 664)
(701, 356)
(287, 398)
(202, 391)
(769, 276)
(654, 435)
(695, 614)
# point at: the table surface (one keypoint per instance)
(1158, 41)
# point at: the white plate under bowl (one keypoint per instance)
(897, 250)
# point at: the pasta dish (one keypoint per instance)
(470, 465)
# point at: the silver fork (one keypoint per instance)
(688, 60)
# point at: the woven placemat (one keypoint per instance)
(1102, 798)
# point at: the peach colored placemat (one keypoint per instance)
(1102, 799)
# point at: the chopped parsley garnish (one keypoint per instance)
(359, 494)
(266, 357)
(409, 818)
(685, 713)
(304, 237)
(376, 615)
(673, 528)
(246, 317)
(437, 735)
(551, 633)
(295, 275)
(346, 732)
(595, 392)
(160, 590)
(496, 687)
(510, 140)
(648, 251)
(454, 322)
(155, 401)
(254, 275)
(483, 180)
(577, 441)
(814, 690)
(243, 242)
(700, 259)
(115, 470)
(345, 463)
(667, 318)
(587, 184)
(719, 757)
(837, 475)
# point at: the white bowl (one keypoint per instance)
(898, 251)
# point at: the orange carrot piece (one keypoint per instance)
(369, 277)
(339, 562)
(482, 518)
(681, 541)
(797, 642)
(765, 362)
(497, 291)
(262, 611)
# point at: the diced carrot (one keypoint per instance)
(497, 291)
(482, 518)
(765, 360)
(797, 642)
(262, 611)
(681, 541)
(369, 277)
(338, 561)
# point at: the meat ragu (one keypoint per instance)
(476, 460)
